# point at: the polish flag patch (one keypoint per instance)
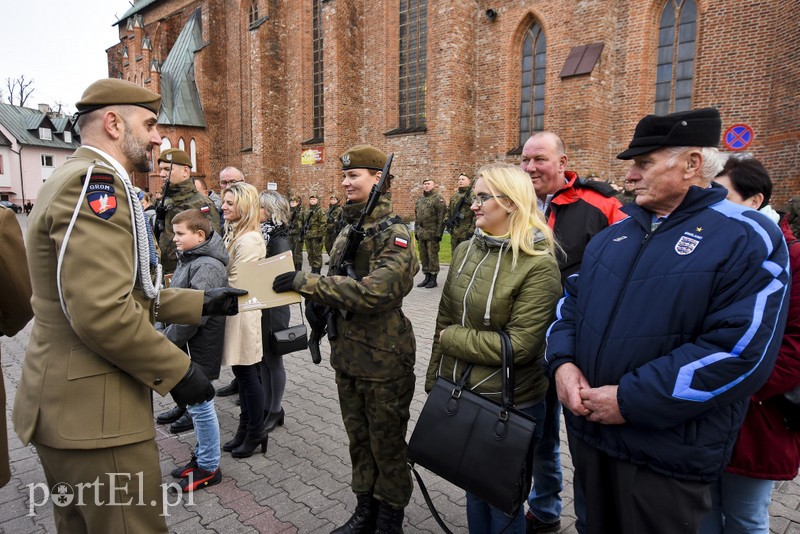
(205, 209)
(400, 242)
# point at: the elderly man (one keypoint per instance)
(673, 321)
(85, 393)
(576, 210)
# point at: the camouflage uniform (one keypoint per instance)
(315, 225)
(430, 212)
(334, 226)
(374, 352)
(295, 232)
(181, 197)
(464, 220)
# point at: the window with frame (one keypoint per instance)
(319, 98)
(531, 108)
(67, 137)
(1, 164)
(47, 160)
(413, 60)
(46, 134)
(253, 14)
(677, 33)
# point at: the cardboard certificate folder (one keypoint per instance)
(257, 277)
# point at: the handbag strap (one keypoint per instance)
(428, 501)
(302, 314)
(507, 352)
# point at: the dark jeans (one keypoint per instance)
(251, 396)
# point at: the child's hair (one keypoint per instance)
(194, 220)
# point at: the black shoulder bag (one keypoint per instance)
(289, 339)
(481, 446)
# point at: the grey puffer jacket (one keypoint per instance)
(484, 294)
(202, 267)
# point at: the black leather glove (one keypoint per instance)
(194, 387)
(222, 301)
(283, 282)
(315, 314)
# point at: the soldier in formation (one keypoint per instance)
(430, 212)
(314, 228)
(296, 224)
(333, 225)
(460, 218)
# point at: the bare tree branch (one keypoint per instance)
(19, 89)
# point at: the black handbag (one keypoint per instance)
(481, 446)
(289, 339)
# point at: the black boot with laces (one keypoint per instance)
(363, 519)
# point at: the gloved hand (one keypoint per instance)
(222, 301)
(283, 282)
(315, 314)
(194, 387)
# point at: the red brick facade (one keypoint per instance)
(256, 83)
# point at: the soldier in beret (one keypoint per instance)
(460, 217)
(84, 395)
(430, 212)
(314, 230)
(672, 322)
(373, 355)
(333, 222)
(297, 221)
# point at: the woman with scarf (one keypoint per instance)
(504, 278)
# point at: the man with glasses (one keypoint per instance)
(229, 176)
(576, 210)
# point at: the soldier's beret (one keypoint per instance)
(176, 156)
(363, 157)
(111, 92)
(698, 127)
(313, 196)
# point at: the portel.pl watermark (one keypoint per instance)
(109, 490)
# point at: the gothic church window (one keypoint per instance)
(413, 45)
(531, 108)
(677, 34)
(253, 11)
(319, 108)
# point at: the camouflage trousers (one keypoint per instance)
(330, 237)
(297, 252)
(429, 255)
(375, 416)
(314, 251)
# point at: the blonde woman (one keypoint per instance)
(242, 349)
(504, 278)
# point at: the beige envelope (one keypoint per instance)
(257, 277)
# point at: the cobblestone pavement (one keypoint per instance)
(301, 484)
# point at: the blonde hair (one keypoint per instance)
(505, 179)
(245, 198)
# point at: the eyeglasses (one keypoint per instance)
(480, 199)
(226, 183)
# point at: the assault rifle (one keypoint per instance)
(458, 215)
(161, 208)
(324, 318)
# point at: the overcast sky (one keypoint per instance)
(59, 44)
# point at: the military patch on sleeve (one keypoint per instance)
(205, 209)
(400, 242)
(103, 178)
(101, 199)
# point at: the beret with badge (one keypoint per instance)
(698, 127)
(114, 92)
(363, 157)
(176, 156)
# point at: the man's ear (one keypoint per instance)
(113, 124)
(694, 162)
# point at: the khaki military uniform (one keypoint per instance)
(315, 224)
(374, 352)
(295, 232)
(181, 197)
(430, 213)
(85, 391)
(462, 216)
(15, 305)
(333, 226)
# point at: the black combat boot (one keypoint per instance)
(363, 519)
(432, 282)
(390, 520)
(425, 281)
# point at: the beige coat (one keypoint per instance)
(15, 305)
(86, 381)
(243, 331)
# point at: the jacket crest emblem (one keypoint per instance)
(102, 203)
(686, 245)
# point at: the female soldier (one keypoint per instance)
(505, 278)
(373, 354)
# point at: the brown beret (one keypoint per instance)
(363, 157)
(176, 156)
(112, 91)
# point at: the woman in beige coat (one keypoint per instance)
(242, 349)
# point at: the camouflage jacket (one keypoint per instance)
(181, 197)
(315, 223)
(377, 341)
(464, 221)
(334, 219)
(430, 213)
(297, 218)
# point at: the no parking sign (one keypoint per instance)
(738, 137)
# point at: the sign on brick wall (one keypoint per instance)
(313, 156)
(738, 137)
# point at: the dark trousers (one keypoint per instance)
(626, 498)
(251, 395)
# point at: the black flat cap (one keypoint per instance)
(698, 127)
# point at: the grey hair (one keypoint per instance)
(713, 160)
(275, 205)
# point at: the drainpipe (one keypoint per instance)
(21, 176)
